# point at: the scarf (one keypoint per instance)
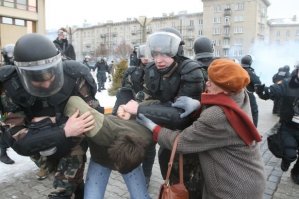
(237, 118)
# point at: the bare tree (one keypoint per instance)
(123, 50)
(102, 51)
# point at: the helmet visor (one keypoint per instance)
(141, 52)
(42, 78)
(164, 43)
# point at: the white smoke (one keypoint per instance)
(268, 58)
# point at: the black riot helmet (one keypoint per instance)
(246, 61)
(203, 48)
(39, 65)
(166, 41)
(286, 68)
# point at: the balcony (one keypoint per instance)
(226, 24)
(227, 12)
(190, 28)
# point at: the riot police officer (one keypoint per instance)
(102, 68)
(7, 53)
(169, 76)
(246, 62)
(204, 53)
(288, 91)
(40, 84)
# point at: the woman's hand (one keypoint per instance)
(78, 124)
(132, 107)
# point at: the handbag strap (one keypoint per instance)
(170, 163)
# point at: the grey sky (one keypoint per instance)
(74, 12)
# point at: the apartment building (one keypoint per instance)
(18, 17)
(233, 26)
(134, 32)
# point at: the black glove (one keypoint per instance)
(259, 88)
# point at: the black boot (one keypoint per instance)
(4, 157)
(285, 165)
(59, 195)
(79, 193)
(295, 173)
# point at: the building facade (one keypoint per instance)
(233, 26)
(18, 17)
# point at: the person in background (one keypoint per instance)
(204, 53)
(111, 70)
(40, 84)
(62, 44)
(283, 72)
(7, 53)
(86, 60)
(246, 62)
(288, 91)
(134, 61)
(168, 77)
(224, 136)
(102, 68)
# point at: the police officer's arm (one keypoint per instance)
(275, 90)
(165, 115)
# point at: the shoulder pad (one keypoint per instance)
(6, 71)
(189, 65)
(74, 68)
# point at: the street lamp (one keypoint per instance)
(143, 21)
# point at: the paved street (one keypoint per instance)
(279, 184)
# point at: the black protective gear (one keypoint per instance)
(246, 61)
(38, 60)
(166, 87)
(4, 157)
(133, 78)
(59, 195)
(42, 136)
(166, 116)
(203, 48)
(34, 47)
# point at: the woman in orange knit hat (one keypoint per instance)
(224, 136)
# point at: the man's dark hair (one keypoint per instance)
(127, 152)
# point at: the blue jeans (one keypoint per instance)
(97, 180)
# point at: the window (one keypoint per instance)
(217, 20)
(297, 32)
(19, 22)
(21, 4)
(216, 31)
(238, 30)
(7, 20)
(288, 33)
(8, 3)
(32, 5)
(200, 32)
(200, 21)
(278, 33)
(239, 6)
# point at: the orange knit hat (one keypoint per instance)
(228, 75)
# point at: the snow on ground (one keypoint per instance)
(23, 164)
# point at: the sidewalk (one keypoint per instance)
(279, 184)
